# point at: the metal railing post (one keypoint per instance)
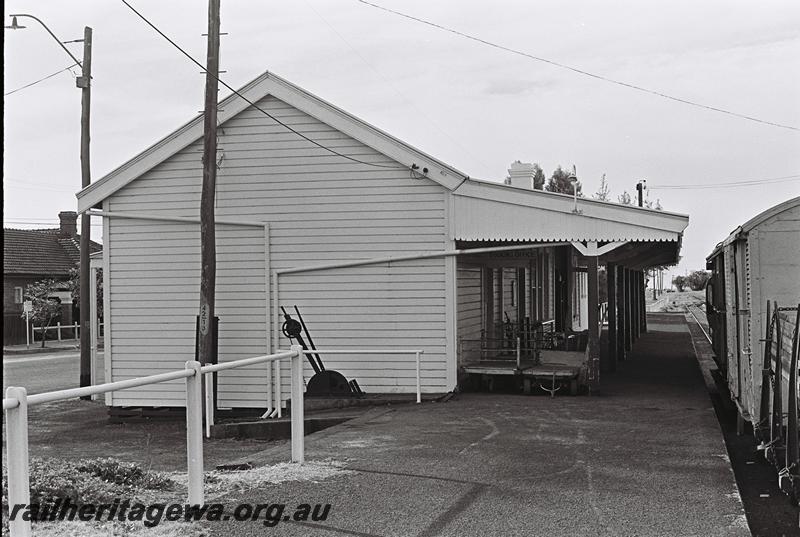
(419, 387)
(209, 402)
(58, 331)
(194, 433)
(278, 389)
(519, 353)
(298, 433)
(17, 452)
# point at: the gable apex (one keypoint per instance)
(269, 84)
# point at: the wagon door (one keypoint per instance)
(716, 310)
(731, 307)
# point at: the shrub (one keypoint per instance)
(97, 481)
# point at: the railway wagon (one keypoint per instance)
(751, 303)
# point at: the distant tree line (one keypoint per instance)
(696, 280)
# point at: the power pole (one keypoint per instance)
(85, 83)
(208, 250)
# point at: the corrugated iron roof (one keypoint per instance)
(494, 212)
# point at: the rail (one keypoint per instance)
(17, 401)
(699, 324)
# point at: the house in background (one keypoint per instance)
(377, 243)
(30, 255)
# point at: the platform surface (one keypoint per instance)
(644, 458)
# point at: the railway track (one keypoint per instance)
(699, 316)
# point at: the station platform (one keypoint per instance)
(645, 457)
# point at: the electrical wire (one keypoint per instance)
(40, 80)
(472, 154)
(730, 184)
(248, 101)
(576, 70)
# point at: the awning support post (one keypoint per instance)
(594, 325)
(611, 284)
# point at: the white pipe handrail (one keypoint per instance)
(209, 387)
(60, 395)
(413, 257)
(212, 368)
(16, 403)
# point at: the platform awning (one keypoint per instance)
(491, 212)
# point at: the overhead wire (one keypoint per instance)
(577, 70)
(68, 68)
(390, 84)
(729, 184)
(251, 103)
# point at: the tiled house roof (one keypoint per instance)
(44, 252)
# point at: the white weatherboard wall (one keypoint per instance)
(154, 291)
(321, 208)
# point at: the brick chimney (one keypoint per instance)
(69, 223)
(521, 174)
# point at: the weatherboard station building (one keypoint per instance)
(378, 244)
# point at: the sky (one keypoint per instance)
(473, 106)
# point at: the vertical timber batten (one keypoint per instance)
(268, 316)
(451, 294)
(107, 363)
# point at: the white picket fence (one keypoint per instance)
(76, 330)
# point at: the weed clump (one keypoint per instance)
(89, 481)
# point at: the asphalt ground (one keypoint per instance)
(57, 369)
(645, 457)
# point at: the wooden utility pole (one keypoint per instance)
(85, 83)
(208, 250)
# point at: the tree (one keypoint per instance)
(697, 279)
(75, 288)
(604, 192)
(538, 177)
(559, 182)
(679, 282)
(653, 205)
(625, 198)
(45, 309)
